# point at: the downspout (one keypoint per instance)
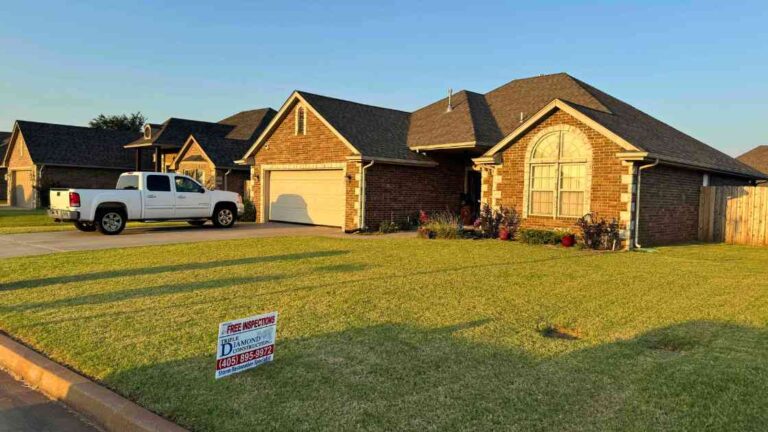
(637, 202)
(225, 178)
(361, 222)
(39, 199)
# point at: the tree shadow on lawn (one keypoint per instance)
(143, 271)
(691, 376)
(129, 294)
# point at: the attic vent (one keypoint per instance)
(301, 121)
(147, 132)
(450, 96)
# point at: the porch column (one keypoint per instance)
(158, 160)
(138, 159)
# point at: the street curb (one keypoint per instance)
(104, 407)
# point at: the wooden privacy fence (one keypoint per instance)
(734, 214)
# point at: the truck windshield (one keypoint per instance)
(128, 182)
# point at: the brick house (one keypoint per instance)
(211, 159)
(552, 147)
(4, 137)
(757, 158)
(165, 141)
(40, 156)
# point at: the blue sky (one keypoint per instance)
(699, 66)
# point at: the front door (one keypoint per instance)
(158, 197)
(192, 201)
(474, 186)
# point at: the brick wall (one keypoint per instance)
(396, 191)
(86, 178)
(235, 181)
(607, 170)
(319, 146)
(669, 203)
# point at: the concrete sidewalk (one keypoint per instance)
(14, 245)
(25, 410)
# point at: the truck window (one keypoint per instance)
(128, 182)
(184, 184)
(158, 183)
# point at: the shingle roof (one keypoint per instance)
(757, 158)
(654, 136)
(54, 144)
(223, 152)
(374, 131)
(173, 133)
(486, 119)
(248, 124)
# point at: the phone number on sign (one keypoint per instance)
(244, 357)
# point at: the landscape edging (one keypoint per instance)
(104, 407)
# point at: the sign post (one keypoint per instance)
(245, 343)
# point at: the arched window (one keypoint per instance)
(558, 175)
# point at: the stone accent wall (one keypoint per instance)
(318, 147)
(606, 178)
(398, 192)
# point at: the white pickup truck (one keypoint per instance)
(144, 196)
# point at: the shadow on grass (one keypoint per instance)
(397, 377)
(143, 271)
(128, 294)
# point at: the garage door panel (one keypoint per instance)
(310, 197)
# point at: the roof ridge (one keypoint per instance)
(525, 79)
(73, 126)
(581, 85)
(351, 102)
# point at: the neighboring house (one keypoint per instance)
(164, 141)
(4, 137)
(757, 158)
(40, 156)
(212, 159)
(551, 147)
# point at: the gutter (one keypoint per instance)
(361, 222)
(637, 202)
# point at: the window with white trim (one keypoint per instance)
(196, 174)
(301, 121)
(557, 184)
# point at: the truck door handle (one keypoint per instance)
(151, 196)
(182, 197)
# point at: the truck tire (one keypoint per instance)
(110, 221)
(85, 226)
(224, 216)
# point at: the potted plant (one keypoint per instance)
(568, 240)
(504, 233)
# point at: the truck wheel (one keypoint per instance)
(85, 226)
(224, 217)
(196, 222)
(110, 221)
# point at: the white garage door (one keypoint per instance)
(308, 197)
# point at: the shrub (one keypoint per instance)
(541, 236)
(599, 234)
(388, 227)
(491, 221)
(443, 225)
(249, 211)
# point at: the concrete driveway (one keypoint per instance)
(13, 245)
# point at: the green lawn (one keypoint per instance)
(407, 334)
(32, 221)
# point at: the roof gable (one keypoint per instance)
(221, 152)
(756, 158)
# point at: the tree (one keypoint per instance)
(125, 122)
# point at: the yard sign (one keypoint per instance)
(245, 343)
